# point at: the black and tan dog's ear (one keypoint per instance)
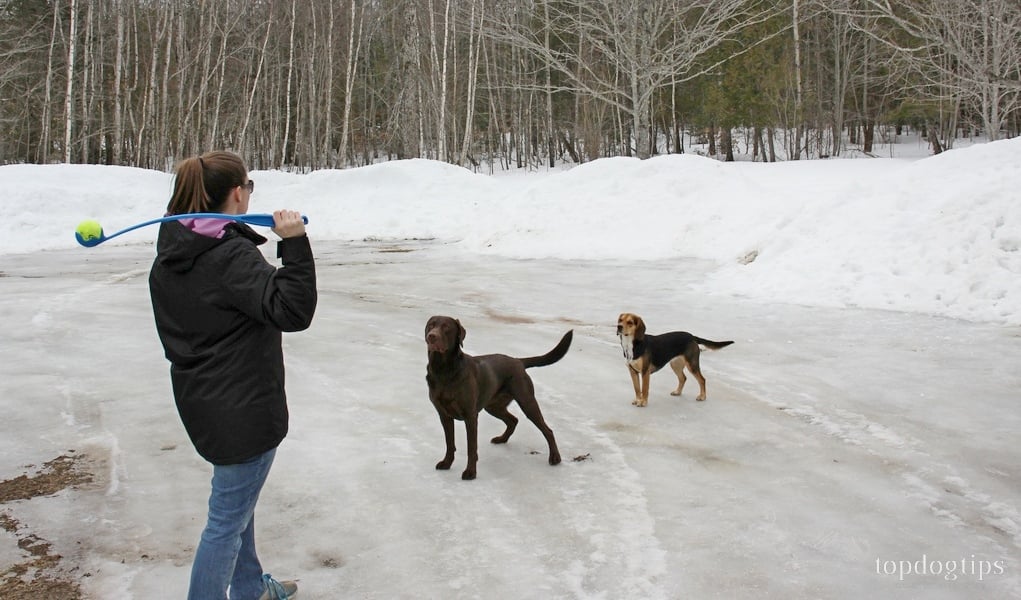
(460, 332)
(639, 327)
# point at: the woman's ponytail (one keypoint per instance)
(202, 183)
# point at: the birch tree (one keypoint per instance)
(476, 15)
(47, 118)
(799, 101)
(72, 47)
(116, 156)
(290, 78)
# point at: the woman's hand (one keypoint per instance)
(288, 223)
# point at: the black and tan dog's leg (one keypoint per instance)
(678, 365)
(646, 376)
(693, 366)
(637, 385)
(448, 435)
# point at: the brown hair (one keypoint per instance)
(202, 183)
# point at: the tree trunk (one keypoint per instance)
(727, 141)
(47, 118)
(72, 45)
(243, 136)
(116, 153)
(798, 101)
(290, 77)
(475, 42)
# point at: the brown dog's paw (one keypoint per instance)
(444, 464)
(468, 474)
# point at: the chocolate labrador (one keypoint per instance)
(461, 386)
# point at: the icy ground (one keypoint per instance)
(838, 448)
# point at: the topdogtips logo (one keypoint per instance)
(950, 570)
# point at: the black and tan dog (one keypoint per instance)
(645, 354)
(461, 386)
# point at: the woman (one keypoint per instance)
(220, 308)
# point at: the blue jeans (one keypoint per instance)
(226, 553)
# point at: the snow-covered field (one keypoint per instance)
(863, 425)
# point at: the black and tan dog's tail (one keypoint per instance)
(553, 355)
(711, 344)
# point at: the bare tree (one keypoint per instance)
(250, 104)
(477, 11)
(648, 44)
(439, 50)
(116, 156)
(967, 49)
(47, 121)
(72, 47)
(799, 102)
(290, 77)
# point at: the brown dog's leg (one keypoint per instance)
(500, 412)
(448, 435)
(678, 365)
(524, 393)
(471, 425)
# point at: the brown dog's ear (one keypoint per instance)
(640, 333)
(460, 333)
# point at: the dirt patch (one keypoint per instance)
(40, 574)
(61, 472)
(507, 318)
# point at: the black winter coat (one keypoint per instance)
(220, 308)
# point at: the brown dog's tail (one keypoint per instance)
(711, 344)
(553, 355)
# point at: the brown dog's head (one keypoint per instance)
(443, 334)
(630, 325)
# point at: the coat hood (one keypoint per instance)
(177, 246)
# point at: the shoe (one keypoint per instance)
(278, 590)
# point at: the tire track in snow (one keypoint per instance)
(620, 555)
(947, 494)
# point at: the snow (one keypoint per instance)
(865, 419)
(939, 236)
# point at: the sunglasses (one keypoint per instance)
(250, 186)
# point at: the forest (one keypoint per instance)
(482, 84)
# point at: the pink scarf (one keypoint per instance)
(208, 227)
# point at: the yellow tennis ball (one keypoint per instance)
(89, 231)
